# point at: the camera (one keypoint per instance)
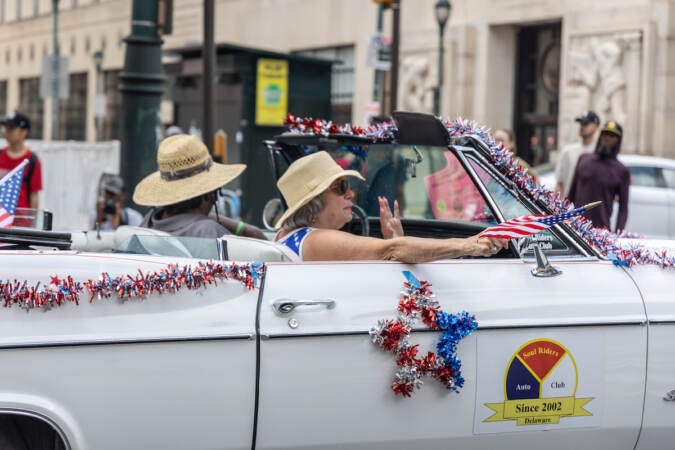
(109, 207)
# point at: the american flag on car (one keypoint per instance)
(10, 186)
(534, 223)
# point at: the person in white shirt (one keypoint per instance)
(589, 122)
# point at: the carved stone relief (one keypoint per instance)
(416, 85)
(603, 75)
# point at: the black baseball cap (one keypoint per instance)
(612, 127)
(16, 119)
(588, 117)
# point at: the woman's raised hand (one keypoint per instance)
(390, 224)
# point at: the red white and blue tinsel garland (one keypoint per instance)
(393, 335)
(602, 239)
(173, 278)
(318, 127)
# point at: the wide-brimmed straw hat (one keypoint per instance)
(308, 177)
(186, 170)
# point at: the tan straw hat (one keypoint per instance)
(308, 177)
(186, 170)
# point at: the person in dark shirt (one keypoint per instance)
(600, 176)
(185, 188)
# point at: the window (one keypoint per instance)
(646, 176)
(669, 175)
(73, 111)
(32, 105)
(2, 11)
(18, 9)
(113, 111)
(342, 79)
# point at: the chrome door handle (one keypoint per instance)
(287, 305)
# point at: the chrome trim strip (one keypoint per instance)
(480, 328)
(72, 343)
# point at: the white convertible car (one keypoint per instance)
(166, 343)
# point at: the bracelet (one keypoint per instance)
(240, 228)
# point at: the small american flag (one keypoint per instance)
(10, 186)
(531, 224)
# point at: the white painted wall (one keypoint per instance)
(70, 173)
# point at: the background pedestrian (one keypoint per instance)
(569, 155)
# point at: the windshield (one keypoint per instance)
(178, 246)
(428, 182)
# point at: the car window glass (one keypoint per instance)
(435, 188)
(511, 207)
(442, 189)
(178, 246)
(646, 176)
(669, 177)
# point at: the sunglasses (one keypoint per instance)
(340, 187)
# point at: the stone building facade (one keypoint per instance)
(530, 65)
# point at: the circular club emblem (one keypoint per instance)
(540, 384)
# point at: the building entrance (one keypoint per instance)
(537, 81)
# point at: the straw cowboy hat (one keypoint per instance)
(308, 177)
(186, 170)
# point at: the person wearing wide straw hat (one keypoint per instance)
(184, 189)
(319, 202)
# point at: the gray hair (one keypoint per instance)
(306, 215)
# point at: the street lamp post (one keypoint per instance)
(141, 84)
(442, 9)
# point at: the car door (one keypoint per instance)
(324, 384)
(563, 354)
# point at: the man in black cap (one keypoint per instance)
(569, 155)
(601, 176)
(17, 127)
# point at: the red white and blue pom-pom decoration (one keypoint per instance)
(393, 335)
(171, 279)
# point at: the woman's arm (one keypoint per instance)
(334, 245)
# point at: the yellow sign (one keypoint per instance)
(540, 386)
(271, 102)
(538, 411)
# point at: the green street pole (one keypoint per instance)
(142, 84)
(55, 71)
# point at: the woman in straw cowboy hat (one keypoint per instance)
(184, 189)
(319, 202)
